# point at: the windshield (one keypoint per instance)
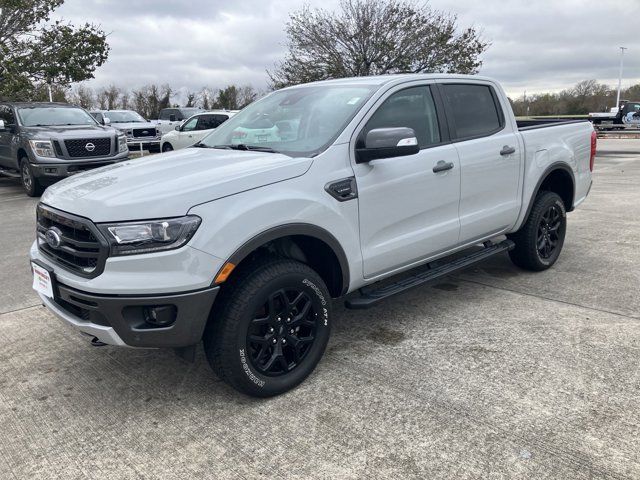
(49, 116)
(299, 122)
(127, 116)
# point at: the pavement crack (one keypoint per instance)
(20, 309)
(542, 297)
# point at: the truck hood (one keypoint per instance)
(68, 131)
(169, 184)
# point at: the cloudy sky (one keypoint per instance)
(537, 45)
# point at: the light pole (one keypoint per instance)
(622, 49)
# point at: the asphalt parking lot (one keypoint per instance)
(492, 373)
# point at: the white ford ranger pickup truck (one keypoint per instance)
(244, 240)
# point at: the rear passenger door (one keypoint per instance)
(407, 211)
(490, 158)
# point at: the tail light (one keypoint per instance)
(594, 143)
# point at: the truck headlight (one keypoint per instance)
(132, 238)
(122, 143)
(42, 148)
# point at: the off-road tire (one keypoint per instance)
(226, 338)
(527, 253)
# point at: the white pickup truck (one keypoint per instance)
(310, 194)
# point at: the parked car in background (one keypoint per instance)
(139, 131)
(170, 118)
(243, 244)
(44, 142)
(194, 129)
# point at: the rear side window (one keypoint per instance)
(167, 112)
(412, 107)
(474, 110)
(206, 122)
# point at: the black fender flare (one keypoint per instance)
(551, 168)
(291, 229)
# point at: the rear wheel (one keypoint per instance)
(31, 184)
(540, 240)
(167, 147)
(269, 328)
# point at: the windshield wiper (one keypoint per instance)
(200, 145)
(242, 146)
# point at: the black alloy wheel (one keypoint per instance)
(549, 230)
(282, 332)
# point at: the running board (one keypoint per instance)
(371, 297)
(9, 173)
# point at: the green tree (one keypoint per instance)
(234, 97)
(374, 37)
(34, 51)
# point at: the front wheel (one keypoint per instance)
(269, 327)
(167, 147)
(30, 183)
(540, 240)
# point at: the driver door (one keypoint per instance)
(408, 212)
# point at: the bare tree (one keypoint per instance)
(83, 96)
(191, 99)
(374, 37)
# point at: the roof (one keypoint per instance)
(114, 110)
(380, 80)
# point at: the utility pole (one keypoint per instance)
(622, 49)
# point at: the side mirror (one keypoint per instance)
(106, 121)
(387, 143)
(178, 128)
(2, 126)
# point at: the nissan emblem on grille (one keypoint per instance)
(52, 236)
(90, 147)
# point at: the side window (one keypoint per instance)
(412, 107)
(190, 125)
(474, 110)
(207, 122)
(99, 118)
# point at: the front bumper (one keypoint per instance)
(135, 143)
(54, 169)
(120, 320)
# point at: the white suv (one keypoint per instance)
(194, 129)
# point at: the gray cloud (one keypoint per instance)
(546, 45)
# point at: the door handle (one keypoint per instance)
(442, 166)
(507, 150)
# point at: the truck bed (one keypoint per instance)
(531, 124)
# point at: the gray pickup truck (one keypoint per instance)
(45, 142)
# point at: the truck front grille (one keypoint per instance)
(81, 248)
(89, 147)
(144, 132)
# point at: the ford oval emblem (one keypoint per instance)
(53, 237)
(90, 147)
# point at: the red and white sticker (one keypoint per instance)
(42, 281)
